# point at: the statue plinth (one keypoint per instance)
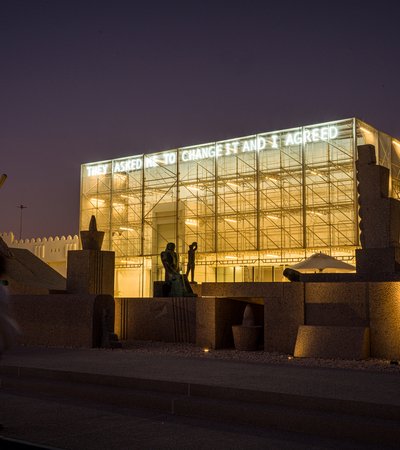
(90, 272)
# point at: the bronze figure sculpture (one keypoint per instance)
(191, 261)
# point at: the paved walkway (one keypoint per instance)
(80, 424)
(375, 387)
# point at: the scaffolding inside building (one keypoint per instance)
(254, 204)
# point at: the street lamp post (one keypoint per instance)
(21, 207)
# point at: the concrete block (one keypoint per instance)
(384, 306)
(90, 272)
(63, 320)
(167, 319)
(283, 313)
(206, 322)
(336, 304)
(332, 342)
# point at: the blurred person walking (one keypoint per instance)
(9, 329)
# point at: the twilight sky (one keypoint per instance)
(90, 80)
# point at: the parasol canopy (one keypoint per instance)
(322, 262)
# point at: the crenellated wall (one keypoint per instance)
(52, 250)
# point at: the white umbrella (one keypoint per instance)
(321, 261)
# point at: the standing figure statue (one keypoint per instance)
(176, 284)
(191, 261)
(169, 258)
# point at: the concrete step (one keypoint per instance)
(325, 417)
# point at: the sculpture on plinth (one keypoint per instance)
(91, 270)
(191, 261)
(92, 239)
(176, 284)
(247, 335)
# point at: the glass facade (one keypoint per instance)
(254, 204)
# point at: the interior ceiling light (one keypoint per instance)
(99, 201)
(126, 229)
(231, 220)
(271, 178)
(191, 222)
(131, 197)
(232, 184)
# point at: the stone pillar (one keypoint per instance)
(90, 272)
(379, 218)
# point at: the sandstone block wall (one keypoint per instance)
(168, 319)
(63, 320)
(332, 342)
(283, 313)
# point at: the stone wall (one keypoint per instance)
(287, 306)
(384, 319)
(168, 319)
(283, 314)
(52, 250)
(62, 320)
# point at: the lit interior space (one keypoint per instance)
(254, 204)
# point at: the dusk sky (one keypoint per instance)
(84, 81)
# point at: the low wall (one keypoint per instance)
(76, 320)
(65, 320)
(246, 289)
(288, 305)
(168, 319)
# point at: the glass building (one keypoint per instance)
(254, 204)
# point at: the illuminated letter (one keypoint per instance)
(235, 146)
(274, 138)
(297, 137)
(333, 132)
(289, 139)
(170, 158)
(315, 135)
(185, 155)
(306, 136)
(261, 143)
(324, 133)
(149, 162)
(246, 146)
(137, 164)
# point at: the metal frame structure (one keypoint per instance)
(254, 204)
